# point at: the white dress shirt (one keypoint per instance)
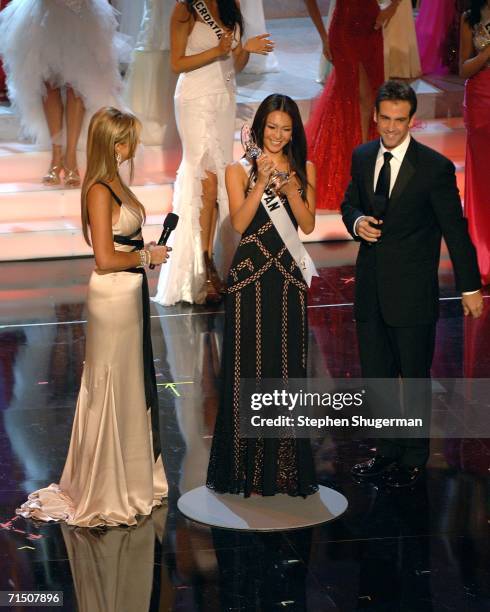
(395, 162)
(395, 165)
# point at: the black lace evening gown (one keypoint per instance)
(265, 336)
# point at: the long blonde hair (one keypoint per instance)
(108, 127)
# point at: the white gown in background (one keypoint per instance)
(150, 82)
(61, 42)
(129, 18)
(254, 24)
(205, 109)
(401, 50)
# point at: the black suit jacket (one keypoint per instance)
(400, 272)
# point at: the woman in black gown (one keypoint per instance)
(266, 329)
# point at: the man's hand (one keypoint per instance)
(472, 304)
(365, 230)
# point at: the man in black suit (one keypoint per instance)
(401, 200)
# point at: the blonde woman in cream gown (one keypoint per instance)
(401, 51)
(114, 471)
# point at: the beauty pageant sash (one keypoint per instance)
(289, 234)
(202, 10)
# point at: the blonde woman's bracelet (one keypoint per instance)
(145, 258)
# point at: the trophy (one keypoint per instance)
(253, 151)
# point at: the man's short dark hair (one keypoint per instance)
(397, 91)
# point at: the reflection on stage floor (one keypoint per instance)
(416, 550)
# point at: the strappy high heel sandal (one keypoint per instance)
(72, 178)
(52, 176)
(213, 274)
(213, 287)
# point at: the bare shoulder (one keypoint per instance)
(465, 24)
(98, 195)
(181, 8)
(98, 190)
(181, 13)
(236, 170)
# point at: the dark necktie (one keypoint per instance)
(382, 192)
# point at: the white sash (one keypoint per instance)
(286, 230)
(202, 10)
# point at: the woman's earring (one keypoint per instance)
(118, 159)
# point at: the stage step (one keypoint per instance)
(9, 124)
(46, 223)
(298, 51)
(39, 222)
(22, 166)
(434, 102)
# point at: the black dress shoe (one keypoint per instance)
(403, 476)
(374, 467)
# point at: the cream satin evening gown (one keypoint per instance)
(110, 475)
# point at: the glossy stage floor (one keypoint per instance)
(416, 550)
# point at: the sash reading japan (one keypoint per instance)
(289, 234)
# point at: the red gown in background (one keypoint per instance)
(334, 127)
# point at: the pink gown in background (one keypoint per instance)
(433, 25)
(477, 174)
(334, 128)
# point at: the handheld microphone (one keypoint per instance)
(169, 225)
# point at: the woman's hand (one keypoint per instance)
(265, 168)
(261, 44)
(158, 254)
(385, 15)
(290, 186)
(326, 49)
(225, 43)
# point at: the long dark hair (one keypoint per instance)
(473, 14)
(229, 13)
(296, 149)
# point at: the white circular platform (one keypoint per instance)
(256, 513)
